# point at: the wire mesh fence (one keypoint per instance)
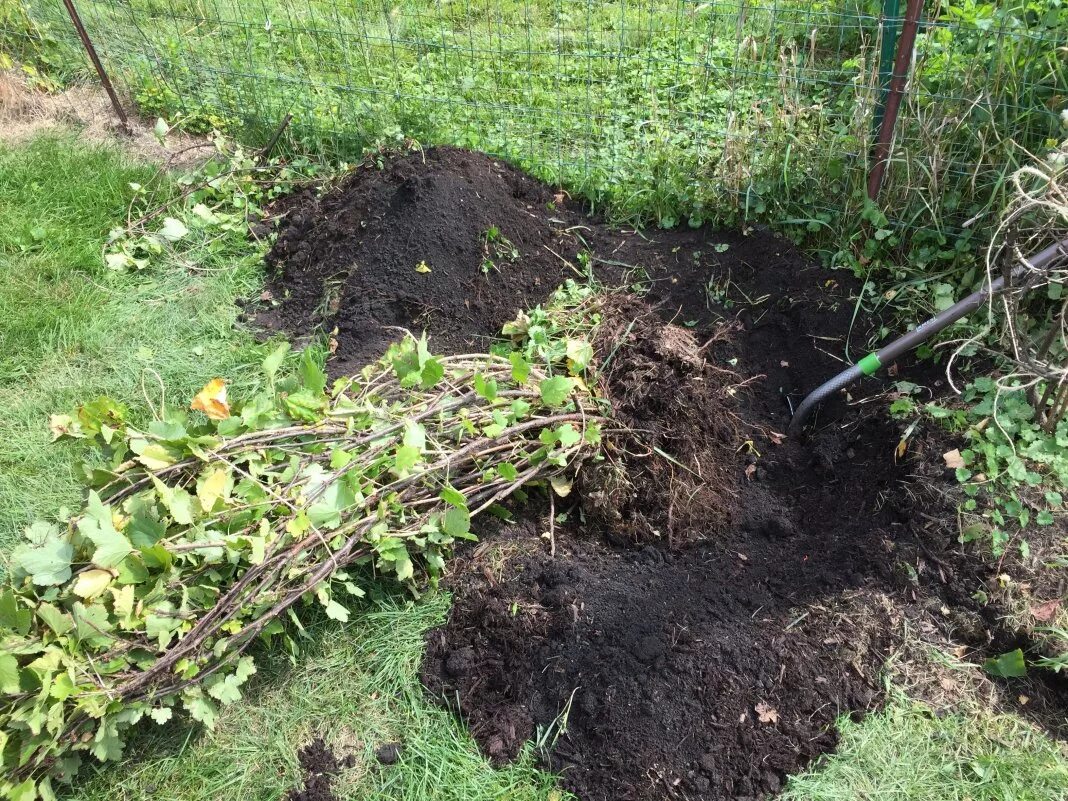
(672, 110)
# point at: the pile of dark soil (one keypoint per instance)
(405, 247)
(692, 662)
(687, 638)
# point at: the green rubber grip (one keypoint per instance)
(870, 364)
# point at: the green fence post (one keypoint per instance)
(891, 27)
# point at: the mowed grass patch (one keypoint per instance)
(72, 330)
(357, 688)
(908, 753)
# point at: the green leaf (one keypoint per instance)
(456, 522)
(173, 229)
(453, 497)
(92, 625)
(46, 558)
(520, 367)
(405, 459)
(274, 361)
(328, 510)
(520, 409)
(161, 714)
(305, 405)
(225, 690)
(311, 374)
(485, 387)
(507, 471)
(403, 564)
(414, 436)
(555, 390)
(433, 371)
(60, 622)
(102, 411)
(96, 526)
(1008, 665)
(579, 354)
(201, 709)
(336, 611)
(9, 674)
(13, 616)
(568, 435)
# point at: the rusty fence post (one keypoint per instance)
(104, 80)
(905, 47)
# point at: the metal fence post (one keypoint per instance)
(890, 25)
(906, 45)
(104, 80)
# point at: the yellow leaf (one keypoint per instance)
(63, 425)
(91, 583)
(155, 457)
(123, 600)
(213, 486)
(212, 400)
(422, 267)
(561, 485)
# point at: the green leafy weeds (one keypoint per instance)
(209, 532)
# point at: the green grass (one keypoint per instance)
(357, 688)
(907, 753)
(71, 330)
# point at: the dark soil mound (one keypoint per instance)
(702, 670)
(695, 634)
(358, 257)
(666, 478)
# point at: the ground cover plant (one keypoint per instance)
(668, 111)
(695, 260)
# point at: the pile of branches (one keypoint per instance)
(207, 533)
(1032, 321)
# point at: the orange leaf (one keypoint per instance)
(766, 713)
(953, 459)
(212, 400)
(1045, 612)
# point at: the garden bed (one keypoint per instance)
(693, 616)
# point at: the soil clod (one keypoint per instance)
(388, 753)
(320, 767)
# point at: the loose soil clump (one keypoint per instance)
(682, 634)
(320, 767)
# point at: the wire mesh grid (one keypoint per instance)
(670, 110)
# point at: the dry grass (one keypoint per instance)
(26, 113)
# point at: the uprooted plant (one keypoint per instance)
(202, 536)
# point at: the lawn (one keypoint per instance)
(73, 330)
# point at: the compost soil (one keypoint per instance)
(685, 623)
